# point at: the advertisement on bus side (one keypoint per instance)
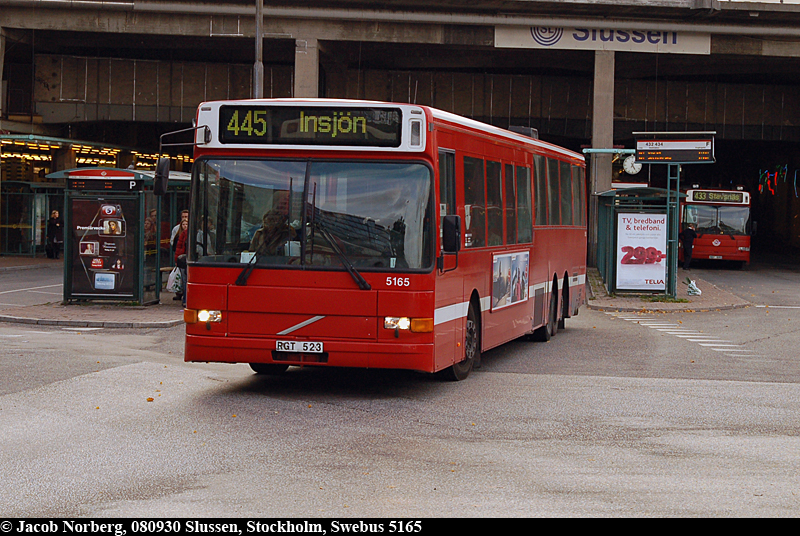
(509, 279)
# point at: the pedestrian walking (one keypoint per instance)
(687, 237)
(55, 235)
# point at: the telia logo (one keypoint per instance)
(547, 36)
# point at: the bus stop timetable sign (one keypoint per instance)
(665, 151)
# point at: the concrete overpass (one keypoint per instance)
(123, 72)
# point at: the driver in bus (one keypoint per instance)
(274, 233)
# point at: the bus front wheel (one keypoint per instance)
(268, 368)
(472, 350)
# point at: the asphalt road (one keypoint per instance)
(31, 286)
(681, 414)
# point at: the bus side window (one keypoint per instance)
(553, 201)
(540, 178)
(578, 208)
(447, 182)
(494, 203)
(524, 221)
(566, 194)
(474, 203)
(447, 187)
(510, 204)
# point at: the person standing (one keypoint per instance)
(687, 237)
(177, 228)
(181, 242)
(55, 235)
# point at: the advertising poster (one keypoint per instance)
(103, 248)
(509, 279)
(641, 251)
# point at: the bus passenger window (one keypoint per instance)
(553, 194)
(494, 203)
(447, 186)
(474, 203)
(524, 222)
(566, 194)
(578, 208)
(447, 183)
(510, 204)
(541, 189)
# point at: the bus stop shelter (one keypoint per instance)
(117, 239)
(634, 246)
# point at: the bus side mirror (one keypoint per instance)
(161, 177)
(451, 234)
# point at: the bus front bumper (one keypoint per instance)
(361, 354)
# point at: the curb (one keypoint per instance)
(645, 309)
(24, 267)
(88, 323)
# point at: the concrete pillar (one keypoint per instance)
(2, 57)
(63, 159)
(602, 138)
(125, 159)
(306, 68)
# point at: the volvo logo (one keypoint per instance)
(547, 36)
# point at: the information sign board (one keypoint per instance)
(666, 151)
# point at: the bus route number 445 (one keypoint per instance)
(305, 347)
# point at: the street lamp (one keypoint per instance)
(258, 68)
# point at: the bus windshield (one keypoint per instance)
(369, 215)
(711, 219)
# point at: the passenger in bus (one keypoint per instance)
(687, 237)
(206, 237)
(275, 232)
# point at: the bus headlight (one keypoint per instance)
(394, 322)
(415, 325)
(209, 316)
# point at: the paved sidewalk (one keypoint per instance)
(712, 298)
(170, 313)
(98, 314)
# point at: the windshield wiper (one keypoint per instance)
(241, 281)
(357, 277)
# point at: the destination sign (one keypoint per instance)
(100, 184)
(675, 151)
(310, 125)
(714, 196)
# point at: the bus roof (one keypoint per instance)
(478, 125)
(433, 112)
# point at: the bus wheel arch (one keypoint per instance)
(472, 345)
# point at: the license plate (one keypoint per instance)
(716, 257)
(304, 347)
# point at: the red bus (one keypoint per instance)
(380, 235)
(722, 221)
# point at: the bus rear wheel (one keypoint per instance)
(546, 332)
(472, 350)
(268, 368)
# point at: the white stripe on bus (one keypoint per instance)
(448, 313)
